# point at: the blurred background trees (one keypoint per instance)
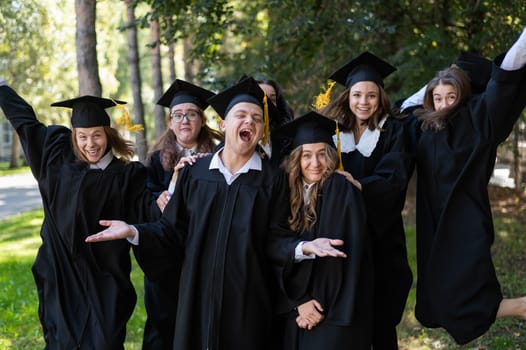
(142, 46)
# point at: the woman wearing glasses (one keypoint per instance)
(186, 138)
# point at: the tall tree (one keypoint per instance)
(135, 79)
(157, 77)
(86, 43)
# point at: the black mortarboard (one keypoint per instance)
(309, 128)
(366, 67)
(246, 90)
(183, 92)
(88, 111)
(477, 68)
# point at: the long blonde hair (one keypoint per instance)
(304, 216)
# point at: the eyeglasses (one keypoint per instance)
(191, 115)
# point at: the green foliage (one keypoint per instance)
(299, 43)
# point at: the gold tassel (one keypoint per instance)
(324, 98)
(266, 131)
(124, 119)
(339, 146)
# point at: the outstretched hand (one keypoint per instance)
(323, 247)
(116, 230)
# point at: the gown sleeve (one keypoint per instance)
(40, 143)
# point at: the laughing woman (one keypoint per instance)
(456, 150)
(85, 293)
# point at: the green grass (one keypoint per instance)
(19, 324)
(20, 328)
(5, 171)
(509, 256)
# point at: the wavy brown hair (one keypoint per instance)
(436, 120)
(170, 153)
(303, 217)
(121, 147)
(340, 110)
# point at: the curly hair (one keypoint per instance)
(436, 120)
(121, 147)
(340, 110)
(304, 216)
(170, 153)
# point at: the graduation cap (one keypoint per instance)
(365, 67)
(184, 92)
(309, 128)
(88, 111)
(477, 68)
(246, 90)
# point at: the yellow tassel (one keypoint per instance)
(339, 146)
(324, 98)
(266, 131)
(124, 119)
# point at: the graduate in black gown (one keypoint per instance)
(84, 290)
(374, 153)
(459, 134)
(218, 217)
(327, 298)
(187, 138)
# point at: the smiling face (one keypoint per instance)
(91, 143)
(243, 128)
(313, 161)
(444, 95)
(186, 130)
(364, 99)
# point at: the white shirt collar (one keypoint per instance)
(254, 163)
(103, 162)
(367, 142)
(307, 189)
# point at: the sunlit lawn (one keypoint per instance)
(19, 324)
(20, 328)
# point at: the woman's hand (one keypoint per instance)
(116, 230)
(350, 178)
(310, 314)
(162, 200)
(323, 247)
(186, 160)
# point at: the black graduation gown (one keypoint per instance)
(160, 295)
(227, 287)
(84, 290)
(457, 286)
(158, 178)
(384, 176)
(343, 286)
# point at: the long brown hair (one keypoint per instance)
(436, 120)
(340, 110)
(170, 153)
(304, 216)
(121, 147)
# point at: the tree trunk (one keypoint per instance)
(516, 166)
(15, 151)
(157, 78)
(171, 59)
(187, 59)
(86, 43)
(135, 80)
